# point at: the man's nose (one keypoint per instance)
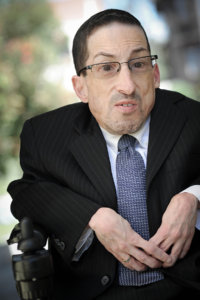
(125, 82)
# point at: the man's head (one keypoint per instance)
(120, 96)
(80, 50)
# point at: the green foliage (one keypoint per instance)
(30, 40)
(22, 18)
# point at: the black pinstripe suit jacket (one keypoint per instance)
(67, 177)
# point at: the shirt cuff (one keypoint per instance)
(83, 243)
(195, 190)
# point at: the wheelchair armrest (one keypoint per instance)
(33, 269)
(19, 235)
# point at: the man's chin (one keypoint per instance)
(120, 128)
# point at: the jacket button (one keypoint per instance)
(60, 244)
(105, 280)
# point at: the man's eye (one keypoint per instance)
(106, 68)
(139, 65)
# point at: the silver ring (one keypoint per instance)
(127, 260)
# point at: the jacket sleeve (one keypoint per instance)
(62, 212)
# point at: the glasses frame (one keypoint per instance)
(89, 67)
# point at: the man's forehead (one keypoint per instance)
(118, 27)
(110, 39)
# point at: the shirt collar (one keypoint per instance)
(142, 136)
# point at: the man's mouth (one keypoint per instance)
(126, 107)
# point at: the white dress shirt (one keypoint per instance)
(141, 145)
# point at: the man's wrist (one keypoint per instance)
(194, 190)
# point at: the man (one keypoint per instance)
(72, 187)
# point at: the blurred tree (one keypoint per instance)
(183, 47)
(30, 40)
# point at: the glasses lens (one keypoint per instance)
(105, 70)
(140, 65)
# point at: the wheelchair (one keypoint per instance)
(33, 269)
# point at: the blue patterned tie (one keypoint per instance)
(131, 182)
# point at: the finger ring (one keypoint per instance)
(127, 260)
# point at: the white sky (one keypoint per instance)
(147, 14)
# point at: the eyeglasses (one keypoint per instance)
(138, 65)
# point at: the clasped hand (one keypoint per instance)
(175, 233)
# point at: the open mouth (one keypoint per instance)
(126, 107)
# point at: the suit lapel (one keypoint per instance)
(165, 126)
(90, 151)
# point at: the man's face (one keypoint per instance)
(120, 103)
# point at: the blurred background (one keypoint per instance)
(36, 69)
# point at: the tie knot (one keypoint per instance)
(126, 141)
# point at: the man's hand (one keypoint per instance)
(117, 236)
(178, 226)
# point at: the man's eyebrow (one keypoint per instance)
(138, 50)
(103, 54)
(109, 55)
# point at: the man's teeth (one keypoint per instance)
(127, 104)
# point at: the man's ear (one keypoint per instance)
(156, 76)
(80, 88)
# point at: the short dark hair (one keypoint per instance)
(79, 49)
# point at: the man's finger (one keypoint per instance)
(185, 249)
(175, 253)
(134, 264)
(130, 262)
(153, 250)
(146, 259)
